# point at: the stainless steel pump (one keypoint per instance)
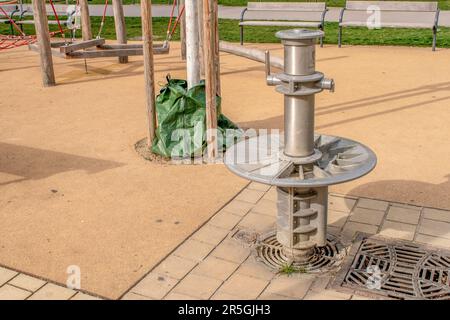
(301, 164)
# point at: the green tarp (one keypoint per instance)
(181, 121)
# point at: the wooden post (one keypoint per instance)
(119, 22)
(216, 47)
(182, 30)
(43, 39)
(147, 38)
(192, 48)
(210, 77)
(86, 30)
(200, 36)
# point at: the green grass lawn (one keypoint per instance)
(229, 31)
(443, 4)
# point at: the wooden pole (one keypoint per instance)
(216, 47)
(210, 77)
(119, 22)
(182, 31)
(147, 38)
(192, 48)
(200, 36)
(86, 30)
(43, 39)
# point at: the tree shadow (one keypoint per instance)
(277, 122)
(29, 163)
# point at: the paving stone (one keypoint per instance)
(193, 250)
(258, 186)
(238, 207)
(178, 296)
(53, 292)
(351, 228)
(255, 269)
(26, 282)
(372, 204)
(197, 286)
(83, 296)
(154, 286)
(244, 287)
(215, 268)
(368, 216)
(175, 267)
(231, 250)
(405, 215)
(266, 207)
(8, 292)
(335, 231)
(135, 296)
(251, 196)
(337, 218)
(327, 295)
(225, 220)
(435, 241)
(219, 295)
(435, 228)
(357, 297)
(271, 195)
(210, 234)
(273, 296)
(320, 283)
(344, 204)
(6, 275)
(294, 286)
(398, 230)
(257, 222)
(436, 214)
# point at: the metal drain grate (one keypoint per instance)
(396, 269)
(269, 251)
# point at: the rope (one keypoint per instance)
(170, 34)
(102, 23)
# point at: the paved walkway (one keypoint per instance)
(211, 264)
(227, 12)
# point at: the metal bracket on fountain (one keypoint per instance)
(300, 164)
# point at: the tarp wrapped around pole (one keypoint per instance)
(181, 121)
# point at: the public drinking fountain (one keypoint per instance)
(300, 164)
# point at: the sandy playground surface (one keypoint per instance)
(74, 192)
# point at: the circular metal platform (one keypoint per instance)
(261, 159)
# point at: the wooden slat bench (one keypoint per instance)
(307, 15)
(428, 13)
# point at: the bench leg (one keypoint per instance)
(340, 37)
(242, 35)
(321, 39)
(434, 39)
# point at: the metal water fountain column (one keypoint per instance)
(301, 164)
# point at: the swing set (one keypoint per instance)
(73, 49)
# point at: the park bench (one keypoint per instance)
(284, 14)
(401, 14)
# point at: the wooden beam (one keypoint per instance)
(86, 30)
(43, 39)
(210, 78)
(200, 36)
(119, 22)
(55, 52)
(81, 45)
(216, 47)
(182, 30)
(147, 37)
(91, 54)
(192, 48)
